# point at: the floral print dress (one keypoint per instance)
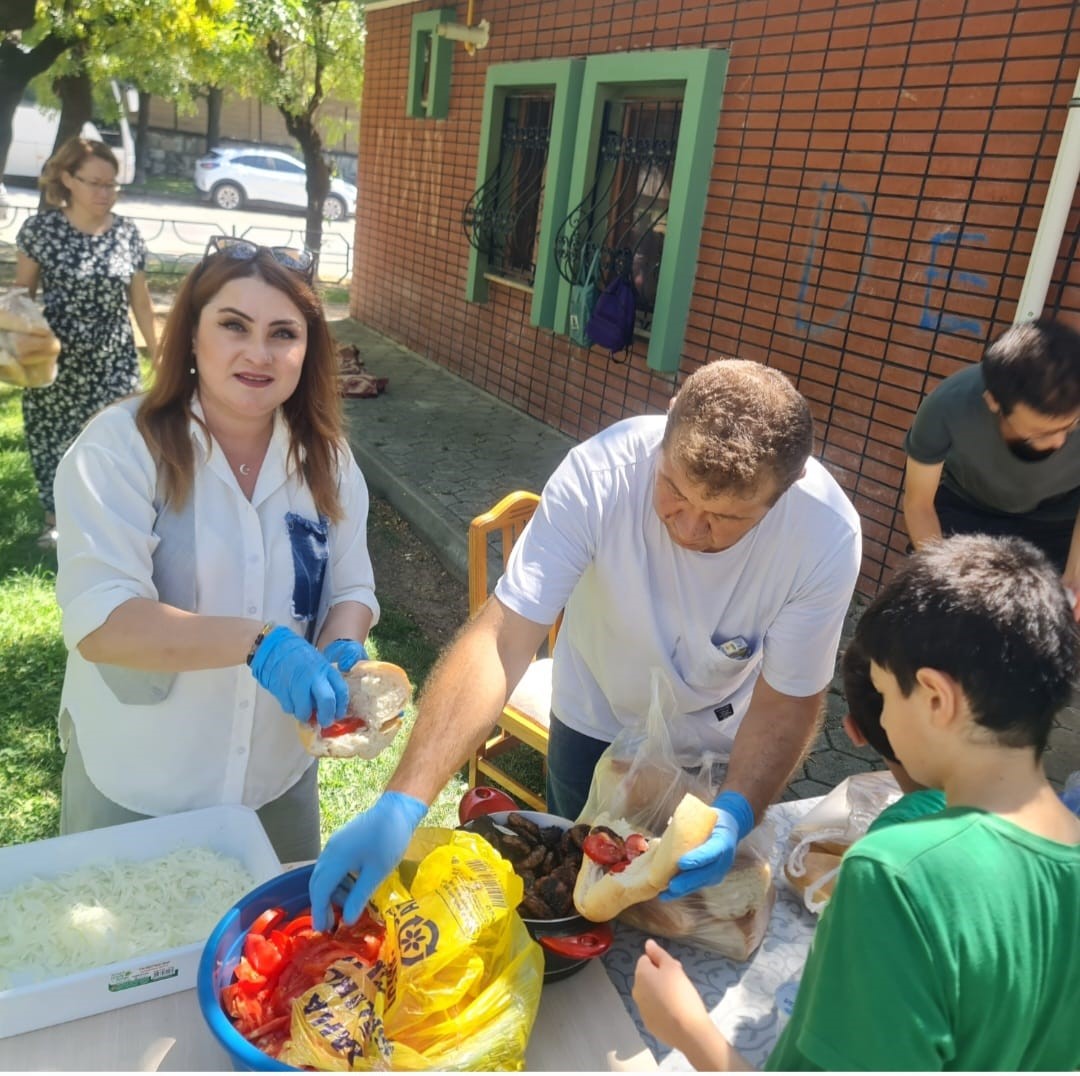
(84, 286)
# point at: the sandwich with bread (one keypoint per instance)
(621, 867)
(379, 691)
(623, 872)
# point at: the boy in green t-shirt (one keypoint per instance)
(948, 941)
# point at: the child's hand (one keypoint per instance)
(668, 1001)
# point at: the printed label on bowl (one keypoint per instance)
(151, 973)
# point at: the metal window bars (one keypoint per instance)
(623, 216)
(502, 218)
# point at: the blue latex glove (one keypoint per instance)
(371, 846)
(299, 677)
(708, 863)
(345, 653)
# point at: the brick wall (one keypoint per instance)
(879, 174)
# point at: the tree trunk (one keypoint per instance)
(303, 129)
(77, 104)
(142, 133)
(17, 68)
(213, 116)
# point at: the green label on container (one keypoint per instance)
(152, 973)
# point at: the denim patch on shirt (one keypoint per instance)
(310, 550)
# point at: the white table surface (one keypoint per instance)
(586, 1022)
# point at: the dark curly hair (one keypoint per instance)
(991, 613)
(1037, 364)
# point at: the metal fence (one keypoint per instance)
(176, 245)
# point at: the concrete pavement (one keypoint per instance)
(441, 451)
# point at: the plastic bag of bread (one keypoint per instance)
(656, 803)
(28, 348)
(818, 842)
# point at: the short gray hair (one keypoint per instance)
(737, 427)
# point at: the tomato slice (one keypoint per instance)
(299, 924)
(246, 973)
(339, 728)
(262, 954)
(269, 919)
(603, 847)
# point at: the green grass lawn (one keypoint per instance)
(32, 657)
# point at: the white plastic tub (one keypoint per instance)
(231, 831)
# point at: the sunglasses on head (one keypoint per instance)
(297, 259)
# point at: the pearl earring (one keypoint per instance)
(191, 370)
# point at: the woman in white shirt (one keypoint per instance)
(213, 562)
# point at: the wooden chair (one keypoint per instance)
(525, 717)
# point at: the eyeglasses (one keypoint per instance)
(109, 188)
(298, 259)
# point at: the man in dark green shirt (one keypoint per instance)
(991, 451)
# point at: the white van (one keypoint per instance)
(34, 135)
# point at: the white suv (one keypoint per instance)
(232, 177)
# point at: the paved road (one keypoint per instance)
(176, 232)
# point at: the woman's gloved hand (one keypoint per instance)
(299, 677)
(371, 846)
(345, 653)
(709, 863)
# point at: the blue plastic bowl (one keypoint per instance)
(222, 953)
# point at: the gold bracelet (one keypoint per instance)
(264, 631)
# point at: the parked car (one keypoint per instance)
(231, 177)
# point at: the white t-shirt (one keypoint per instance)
(218, 737)
(635, 601)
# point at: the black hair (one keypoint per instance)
(992, 613)
(1037, 364)
(864, 701)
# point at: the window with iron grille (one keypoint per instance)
(502, 219)
(632, 143)
(619, 227)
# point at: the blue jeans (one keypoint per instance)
(572, 757)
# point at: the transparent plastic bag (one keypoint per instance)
(818, 842)
(28, 348)
(641, 778)
(457, 984)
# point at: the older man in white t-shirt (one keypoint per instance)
(707, 544)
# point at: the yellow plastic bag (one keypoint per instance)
(457, 984)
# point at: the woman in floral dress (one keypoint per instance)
(89, 264)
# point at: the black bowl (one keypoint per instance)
(570, 941)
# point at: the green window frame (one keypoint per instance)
(700, 73)
(430, 60)
(563, 78)
(582, 89)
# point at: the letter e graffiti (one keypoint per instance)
(936, 320)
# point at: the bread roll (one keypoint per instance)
(379, 691)
(600, 895)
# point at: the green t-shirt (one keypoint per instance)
(917, 804)
(949, 943)
(953, 425)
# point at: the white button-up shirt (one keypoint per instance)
(218, 737)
